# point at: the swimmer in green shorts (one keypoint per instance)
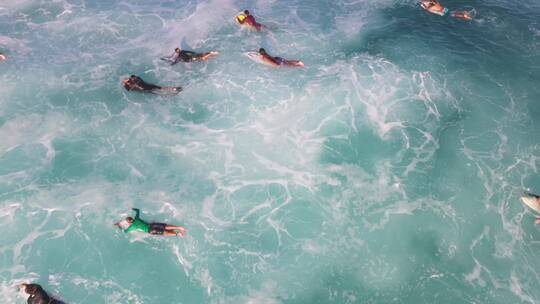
(136, 224)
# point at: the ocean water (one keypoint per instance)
(388, 170)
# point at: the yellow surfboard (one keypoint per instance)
(240, 18)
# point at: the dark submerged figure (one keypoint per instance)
(136, 84)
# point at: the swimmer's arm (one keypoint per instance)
(137, 212)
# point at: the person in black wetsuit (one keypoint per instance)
(189, 56)
(136, 84)
(37, 295)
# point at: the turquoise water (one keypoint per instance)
(386, 171)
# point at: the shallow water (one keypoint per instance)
(388, 170)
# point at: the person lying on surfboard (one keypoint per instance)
(278, 61)
(249, 20)
(189, 56)
(136, 84)
(462, 15)
(433, 6)
(130, 224)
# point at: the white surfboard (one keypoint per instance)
(255, 56)
(531, 202)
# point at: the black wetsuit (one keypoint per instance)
(186, 56)
(135, 83)
(38, 295)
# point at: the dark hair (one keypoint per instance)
(132, 76)
(129, 219)
(177, 49)
(246, 12)
(262, 51)
(31, 288)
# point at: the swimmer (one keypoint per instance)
(189, 56)
(249, 20)
(278, 61)
(463, 15)
(2, 57)
(136, 84)
(37, 294)
(433, 6)
(136, 224)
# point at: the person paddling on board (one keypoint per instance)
(249, 20)
(278, 61)
(130, 224)
(463, 15)
(189, 56)
(136, 84)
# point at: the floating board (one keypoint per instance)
(255, 56)
(168, 91)
(240, 18)
(441, 12)
(531, 202)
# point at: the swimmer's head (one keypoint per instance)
(177, 50)
(124, 224)
(246, 12)
(29, 288)
(129, 219)
(262, 51)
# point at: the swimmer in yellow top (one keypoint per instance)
(249, 20)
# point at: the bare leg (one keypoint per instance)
(296, 63)
(171, 227)
(172, 232)
(207, 55)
